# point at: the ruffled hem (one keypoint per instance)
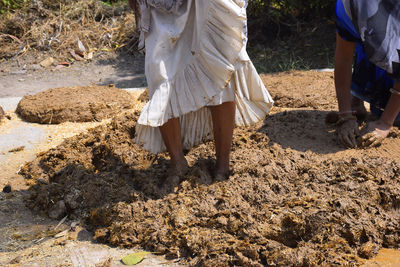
(253, 103)
(209, 69)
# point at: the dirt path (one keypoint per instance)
(23, 76)
(295, 130)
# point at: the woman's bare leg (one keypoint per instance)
(171, 134)
(223, 117)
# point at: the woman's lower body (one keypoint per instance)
(223, 119)
(201, 81)
(370, 84)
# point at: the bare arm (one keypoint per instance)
(392, 108)
(343, 72)
(378, 130)
(347, 129)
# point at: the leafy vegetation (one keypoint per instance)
(8, 5)
(277, 18)
(114, 2)
(291, 34)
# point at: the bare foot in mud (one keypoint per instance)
(374, 133)
(221, 172)
(219, 176)
(175, 173)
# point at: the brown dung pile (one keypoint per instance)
(286, 203)
(302, 89)
(56, 26)
(74, 104)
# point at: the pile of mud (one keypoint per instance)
(74, 104)
(302, 89)
(283, 205)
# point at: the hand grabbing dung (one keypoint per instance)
(348, 131)
(374, 133)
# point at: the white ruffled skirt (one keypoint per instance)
(194, 59)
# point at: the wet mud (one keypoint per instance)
(294, 197)
(74, 104)
(300, 89)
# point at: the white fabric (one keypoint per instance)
(197, 58)
(145, 6)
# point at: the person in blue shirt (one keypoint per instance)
(371, 29)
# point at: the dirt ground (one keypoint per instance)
(24, 75)
(27, 238)
(295, 197)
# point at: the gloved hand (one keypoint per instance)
(348, 131)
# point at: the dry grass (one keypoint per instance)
(56, 26)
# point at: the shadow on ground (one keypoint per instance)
(128, 70)
(302, 130)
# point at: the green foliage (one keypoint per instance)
(134, 258)
(114, 2)
(291, 34)
(9, 5)
(296, 8)
(276, 18)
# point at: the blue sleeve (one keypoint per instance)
(344, 26)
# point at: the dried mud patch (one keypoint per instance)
(300, 89)
(281, 206)
(74, 104)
